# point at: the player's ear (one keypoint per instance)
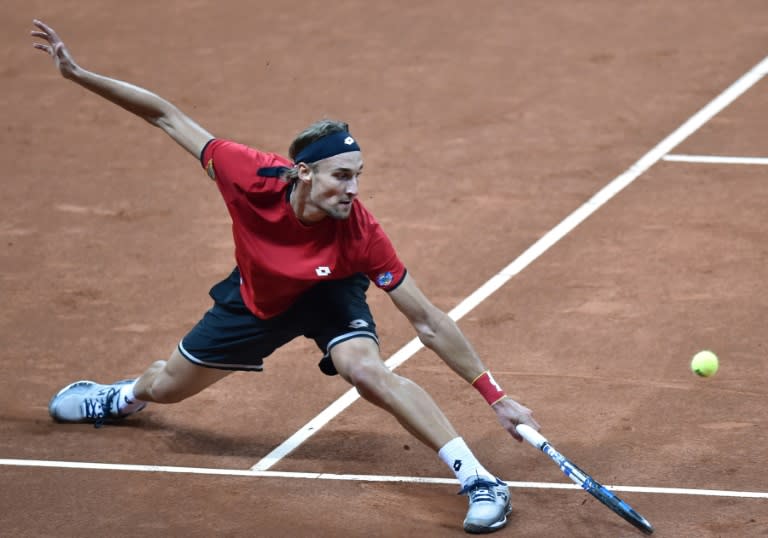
(305, 172)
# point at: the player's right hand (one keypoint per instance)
(511, 413)
(54, 46)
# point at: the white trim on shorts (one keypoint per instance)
(348, 336)
(218, 365)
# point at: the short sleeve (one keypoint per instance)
(386, 269)
(234, 167)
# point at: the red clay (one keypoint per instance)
(483, 127)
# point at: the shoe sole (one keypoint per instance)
(485, 529)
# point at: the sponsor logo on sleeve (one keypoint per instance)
(384, 279)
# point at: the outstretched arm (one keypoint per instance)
(139, 101)
(440, 333)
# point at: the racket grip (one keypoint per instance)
(531, 435)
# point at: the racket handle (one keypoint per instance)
(531, 435)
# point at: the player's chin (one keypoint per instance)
(342, 210)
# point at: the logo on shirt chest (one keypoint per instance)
(323, 270)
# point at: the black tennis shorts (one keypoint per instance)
(230, 337)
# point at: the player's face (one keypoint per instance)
(335, 183)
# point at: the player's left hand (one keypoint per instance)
(511, 413)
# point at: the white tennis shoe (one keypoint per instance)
(489, 505)
(88, 401)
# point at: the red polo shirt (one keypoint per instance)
(279, 257)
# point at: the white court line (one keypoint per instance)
(534, 251)
(715, 159)
(360, 478)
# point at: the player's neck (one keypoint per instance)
(306, 212)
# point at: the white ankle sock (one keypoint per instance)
(457, 455)
(127, 402)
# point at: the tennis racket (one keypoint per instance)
(597, 490)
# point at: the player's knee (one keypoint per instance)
(365, 376)
(373, 380)
(358, 362)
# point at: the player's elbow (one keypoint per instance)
(427, 330)
(426, 335)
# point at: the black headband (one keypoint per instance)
(327, 146)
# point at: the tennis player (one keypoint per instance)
(306, 250)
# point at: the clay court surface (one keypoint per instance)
(484, 125)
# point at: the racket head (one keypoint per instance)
(612, 501)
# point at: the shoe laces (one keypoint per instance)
(100, 407)
(480, 491)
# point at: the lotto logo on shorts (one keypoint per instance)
(323, 271)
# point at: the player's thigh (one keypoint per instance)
(180, 378)
(335, 312)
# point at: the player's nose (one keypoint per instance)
(352, 187)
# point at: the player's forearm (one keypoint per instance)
(449, 343)
(134, 99)
(452, 346)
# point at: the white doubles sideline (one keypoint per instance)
(534, 251)
(360, 478)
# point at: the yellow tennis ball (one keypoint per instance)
(705, 363)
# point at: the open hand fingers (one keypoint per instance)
(44, 27)
(47, 47)
(43, 47)
(46, 33)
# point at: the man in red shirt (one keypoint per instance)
(306, 249)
